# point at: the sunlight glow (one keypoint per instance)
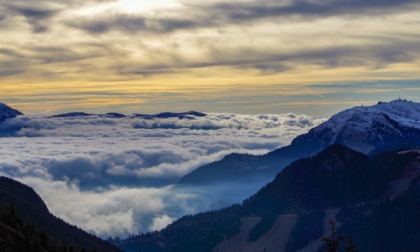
(145, 6)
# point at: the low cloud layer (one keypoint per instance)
(115, 176)
(93, 149)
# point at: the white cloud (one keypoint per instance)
(161, 222)
(114, 176)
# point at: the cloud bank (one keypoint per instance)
(115, 176)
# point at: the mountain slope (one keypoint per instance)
(382, 127)
(7, 112)
(358, 187)
(31, 209)
(365, 129)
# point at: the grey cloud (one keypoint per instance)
(223, 14)
(28, 59)
(12, 63)
(48, 55)
(10, 72)
(38, 16)
(10, 52)
(374, 55)
(132, 23)
(251, 11)
(35, 13)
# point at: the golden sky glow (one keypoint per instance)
(222, 56)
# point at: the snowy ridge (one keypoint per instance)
(405, 112)
(365, 128)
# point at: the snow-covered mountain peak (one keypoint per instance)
(7, 112)
(406, 113)
(364, 128)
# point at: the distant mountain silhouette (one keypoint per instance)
(374, 199)
(182, 115)
(385, 126)
(73, 114)
(83, 114)
(23, 211)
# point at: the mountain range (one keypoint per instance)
(374, 199)
(182, 115)
(366, 177)
(8, 112)
(384, 126)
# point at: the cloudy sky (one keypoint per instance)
(240, 56)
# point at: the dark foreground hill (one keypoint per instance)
(374, 199)
(383, 127)
(27, 225)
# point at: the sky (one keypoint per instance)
(312, 57)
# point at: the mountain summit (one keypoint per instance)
(7, 112)
(367, 129)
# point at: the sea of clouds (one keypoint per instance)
(117, 176)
